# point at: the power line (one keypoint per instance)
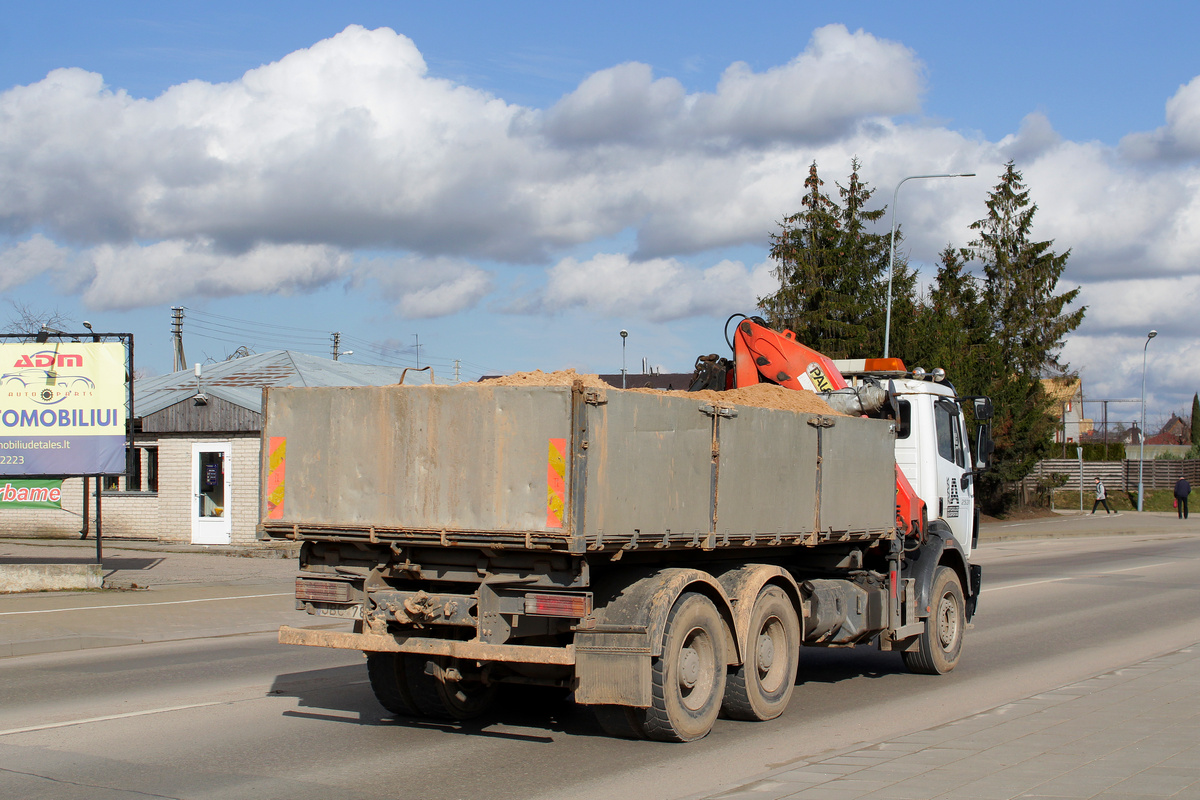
(266, 335)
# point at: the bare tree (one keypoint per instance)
(24, 318)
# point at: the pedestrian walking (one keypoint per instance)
(1101, 497)
(1182, 490)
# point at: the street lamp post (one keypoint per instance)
(1142, 432)
(624, 336)
(887, 327)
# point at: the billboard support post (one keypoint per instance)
(87, 499)
(99, 518)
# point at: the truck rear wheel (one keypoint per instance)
(762, 686)
(688, 679)
(389, 683)
(939, 646)
(449, 697)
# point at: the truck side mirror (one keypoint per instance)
(983, 446)
(983, 408)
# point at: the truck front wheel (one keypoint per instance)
(762, 686)
(939, 646)
(688, 679)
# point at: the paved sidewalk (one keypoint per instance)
(1130, 734)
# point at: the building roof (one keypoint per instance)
(241, 380)
(1175, 431)
(1062, 390)
(670, 381)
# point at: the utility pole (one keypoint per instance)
(177, 337)
(456, 378)
(337, 339)
(417, 347)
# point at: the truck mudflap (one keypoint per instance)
(402, 643)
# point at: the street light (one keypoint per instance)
(624, 336)
(887, 327)
(1142, 432)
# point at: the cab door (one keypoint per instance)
(956, 489)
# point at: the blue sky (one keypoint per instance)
(512, 184)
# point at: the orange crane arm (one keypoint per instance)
(762, 354)
(759, 352)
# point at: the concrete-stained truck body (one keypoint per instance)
(664, 556)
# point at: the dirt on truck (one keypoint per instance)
(662, 555)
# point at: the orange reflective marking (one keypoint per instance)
(276, 464)
(556, 483)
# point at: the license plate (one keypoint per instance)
(342, 612)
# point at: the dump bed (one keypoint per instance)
(567, 468)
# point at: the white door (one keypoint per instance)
(212, 513)
(955, 495)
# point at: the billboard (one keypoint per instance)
(31, 494)
(62, 408)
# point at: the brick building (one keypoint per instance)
(195, 466)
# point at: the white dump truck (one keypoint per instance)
(664, 556)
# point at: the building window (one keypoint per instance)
(151, 468)
(141, 465)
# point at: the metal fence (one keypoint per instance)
(1156, 474)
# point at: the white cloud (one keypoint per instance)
(839, 79)
(25, 260)
(1035, 136)
(660, 288)
(130, 276)
(278, 181)
(426, 288)
(1179, 138)
(351, 143)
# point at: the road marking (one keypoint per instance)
(143, 605)
(108, 718)
(1073, 577)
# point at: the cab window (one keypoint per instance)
(904, 424)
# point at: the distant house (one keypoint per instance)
(194, 470)
(1066, 394)
(1175, 431)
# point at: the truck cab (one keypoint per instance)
(934, 443)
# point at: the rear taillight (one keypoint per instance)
(324, 591)
(558, 605)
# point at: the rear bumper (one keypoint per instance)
(400, 643)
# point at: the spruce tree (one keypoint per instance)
(1029, 323)
(1195, 451)
(804, 251)
(953, 327)
(831, 268)
(1021, 278)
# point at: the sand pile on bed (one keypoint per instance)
(563, 377)
(762, 395)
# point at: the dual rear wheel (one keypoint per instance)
(691, 683)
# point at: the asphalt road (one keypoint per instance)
(245, 717)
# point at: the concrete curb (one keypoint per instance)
(17, 578)
(288, 551)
